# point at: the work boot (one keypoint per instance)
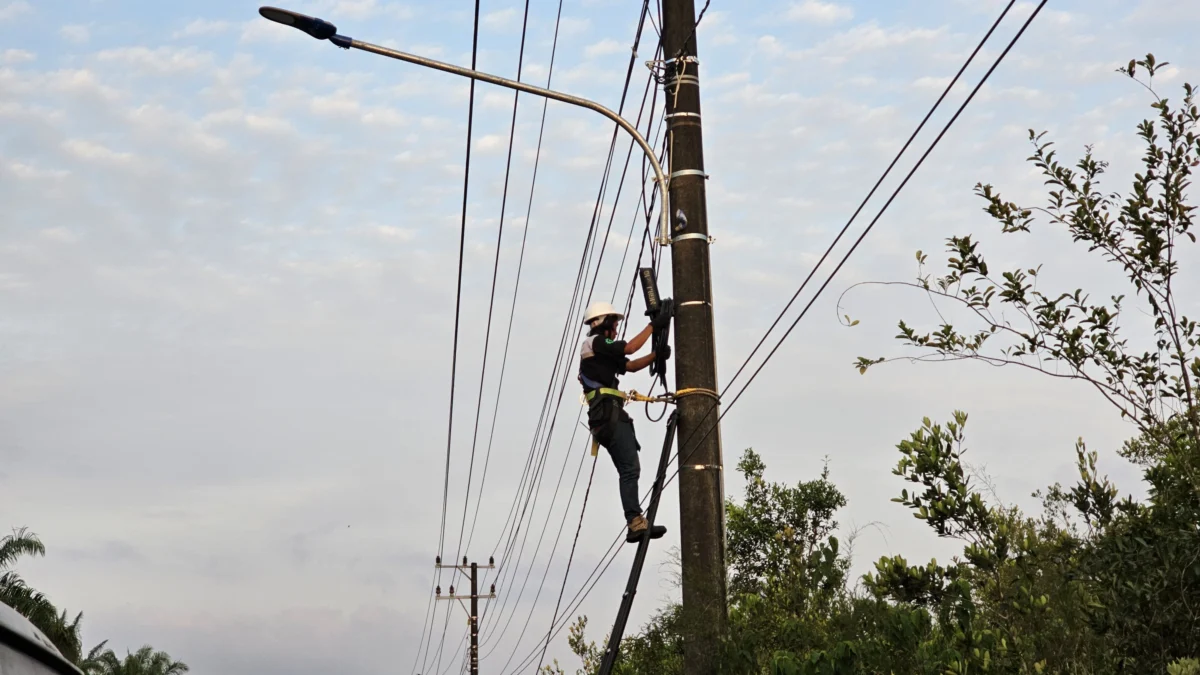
(638, 527)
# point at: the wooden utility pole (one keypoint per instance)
(701, 483)
(473, 612)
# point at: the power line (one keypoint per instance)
(585, 264)
(874, 220)
(461, 242)
(491, 302)
(846, 256)
(527, 476)
(870, 194)
(462, 237)
(499, 237)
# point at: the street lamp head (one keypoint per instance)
(318, 28)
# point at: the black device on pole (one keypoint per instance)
(656, 305)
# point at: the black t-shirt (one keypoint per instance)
(601, 361)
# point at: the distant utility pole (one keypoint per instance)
(473, 612)
(701, 483)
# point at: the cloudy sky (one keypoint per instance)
(228, 260)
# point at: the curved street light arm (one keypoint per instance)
(665, 234)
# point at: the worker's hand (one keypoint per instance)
(665, 311)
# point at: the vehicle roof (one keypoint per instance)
(19, 634)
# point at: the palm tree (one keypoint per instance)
(144, 661)
(30, 603)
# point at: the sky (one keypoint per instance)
(228, 271)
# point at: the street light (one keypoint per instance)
(323, 30)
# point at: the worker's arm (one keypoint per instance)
(634, 365)
(636, 343)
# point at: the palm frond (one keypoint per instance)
(20, 543)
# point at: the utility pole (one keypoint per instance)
(701, 481)
(473, 612)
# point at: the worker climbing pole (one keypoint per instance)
(602, 360)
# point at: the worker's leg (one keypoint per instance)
(623, 448)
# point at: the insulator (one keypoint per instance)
(491, 560)
(439, 590)
(464, 560)
(451, 590)
(493, 589)
(438, 559)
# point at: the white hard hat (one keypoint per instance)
(600, 309)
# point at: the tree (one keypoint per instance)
(1095, 584)
(1125, 577)
(1067, 334)
(144, 661)
(63, 632)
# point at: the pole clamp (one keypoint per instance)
(694, 235)
(688, 172)
(673, 82)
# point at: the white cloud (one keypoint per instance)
(14, 9)
(82, 81)
(89, 150)
(388, 117)
(393, 233)
(76, 33)
(160, 61)
(14, 56)
(495, 100)
(366, 9)
(501, 18)
(573, 26)
(491, 143)
(252, 121)
(27, 172)
(341, 105)
(203, 27)
(819, 12)
(605, 47)
(871, 36)
(931, 83)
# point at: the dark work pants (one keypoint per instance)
(623, 448)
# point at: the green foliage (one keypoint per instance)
(1096, 584)
(1067, 333)
(63, 631)
(30, 603)
(144, 661)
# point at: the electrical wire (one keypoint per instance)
(845, 257)
(458, 306)
(870, 194)
(858, 241)
(591, 249)
(512, 133)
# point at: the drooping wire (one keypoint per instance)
(871, 193)
(527, 475)
(462, 239)
(512, 132)
(587, 261)
(862, 236)
(686, 456)
(683, 45)
(458, 310)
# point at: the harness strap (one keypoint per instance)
(605, 391)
